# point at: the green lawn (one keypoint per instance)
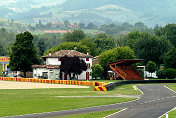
(92, 115)
(19, 102)
(171, 114)
(172, 86)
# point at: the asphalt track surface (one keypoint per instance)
(155, 101)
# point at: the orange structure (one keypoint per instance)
(124, 69)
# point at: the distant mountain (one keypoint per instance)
(151, 12)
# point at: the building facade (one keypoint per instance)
(51, 70)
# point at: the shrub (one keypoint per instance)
(161, 74)
(97, 71)
(171, 73)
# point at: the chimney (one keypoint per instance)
(49, 53)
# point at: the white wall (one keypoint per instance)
(52, 61)
(38, 72)
(55, 72)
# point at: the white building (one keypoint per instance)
(52, 62)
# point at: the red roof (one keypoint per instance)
(46, 66)
(57, 31)
(69, 53)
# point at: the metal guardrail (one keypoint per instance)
(112, 86)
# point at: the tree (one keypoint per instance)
(74, 36)
(139, 24)
(41, 46)
(150, 47)
(66, 23)
(168, 32)
(81, 26)
(132, 38)
(151, 67)
(23, 54)
(104, 44)
(92, 26)
(171, 73)
(69, 46)
(97, 71)
(115, 54)
(170, 59)
(2, 51)
(91, 45)
(72, 65)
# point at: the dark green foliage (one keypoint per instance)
(151, 67)
(91, 45)
(69, 46)
(92, 26)
(161, 74)
(23, 54)
(74, 36)
(97, 71)
(170, 59)
(104, 44)
(171, 73)
(72, 65)
(2, 51)
(6, 39)
(41, 46)
(115, 54)
(150, 47)
(168, 32)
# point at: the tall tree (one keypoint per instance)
(74, 36)
(169, 32)
(151, 67)
(41, 46)
(91, 45)
(150, 47)
(116, 54)
(72, 65)
(69, 46)
(23, 54)
(170, 59)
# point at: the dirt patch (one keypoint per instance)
(30, 85)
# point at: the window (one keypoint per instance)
(87, 59)
(58, 59)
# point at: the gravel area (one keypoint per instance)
(31, 85)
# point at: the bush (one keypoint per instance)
(161, 74)
(171, 73)
(97, 71)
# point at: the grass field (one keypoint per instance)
(171, 114)
(92, 115)
(19, 102)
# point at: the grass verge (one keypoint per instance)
(92, 115)
(171, 114)
(19, 102)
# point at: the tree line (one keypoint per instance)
(158, 48)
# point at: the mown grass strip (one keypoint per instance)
(92, 115)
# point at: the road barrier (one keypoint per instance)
(71, 82)
(112, 86)
(99, 86)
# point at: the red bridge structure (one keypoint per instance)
(124, 69)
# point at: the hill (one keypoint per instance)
(151, 12)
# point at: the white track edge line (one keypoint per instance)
(169, 89)
(167, 112)
(115, 113)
